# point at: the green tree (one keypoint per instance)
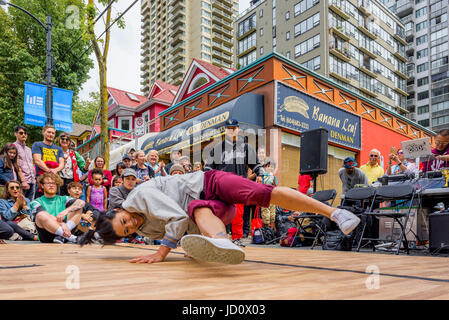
(23, 56)
(84, 111)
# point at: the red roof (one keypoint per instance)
(126, 98)
(167, 93)
(216, 71)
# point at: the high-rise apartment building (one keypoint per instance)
(426, 31)
(176, 31)
(358, 43)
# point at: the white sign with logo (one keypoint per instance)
(139, 126)
(419, 148)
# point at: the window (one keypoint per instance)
(248, 58)
(124, 123)
(199, 80)
(307, 24)
(422, 67)
(422, 53)
(421, 26)
(287, 35)
(440, 106)
(440, 121)
(260, 13)
(261, 51)
(247, 25)
(313, 64)
(304, 5)
(423, 95)
(307, 45)
(261, 32)
(287, 54)
(440, 91)
(421, 12)
(287, 15)
(424, 123)
(246, 43)
(423, 109)
(422, 81)
(421, 40)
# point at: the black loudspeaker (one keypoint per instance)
(313, 155)
(439, 231)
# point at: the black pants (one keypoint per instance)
(8, 228)
(247, 214)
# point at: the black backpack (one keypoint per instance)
(337, 240)
(263, 235)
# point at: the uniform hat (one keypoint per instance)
(349, 162)
(129, 172)
(126, 157)
(176, 167)
(231, 123)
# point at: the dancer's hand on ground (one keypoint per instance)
(3, 241)
(151, 258)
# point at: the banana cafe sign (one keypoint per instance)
(300, 112)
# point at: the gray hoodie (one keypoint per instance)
(163, 202)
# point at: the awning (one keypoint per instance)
(248, 110)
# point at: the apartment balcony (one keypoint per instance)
(219, 5)
(221, 47)
(177, 22)
(338, 31)
(225, 31)
(399, 73)
(400, 56)
(180, 37)
(368, 31)
(365, 7)
(217, 36)
(342, 54)
(145, 59)
(440, 98)
(409, 35)
(400, 38)
(368, 52)
(368, 92)
(404, 8)
(177, 48)
(220, 13)
(411, 74)
(338, 7)
(178, 5)
(223, 23)
(400, 91)
(368, 70)
(441, 69)
(411, 103)
(410, 49)
(246, 51)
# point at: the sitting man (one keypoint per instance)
(50, 210)
(119, 194)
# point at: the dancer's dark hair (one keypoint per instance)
(103, 227)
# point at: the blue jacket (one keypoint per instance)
(6, 174)
(8, 212)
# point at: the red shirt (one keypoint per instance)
(304, 183)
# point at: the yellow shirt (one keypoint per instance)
(372, 172)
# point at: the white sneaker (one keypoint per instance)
(346, 220)
(211, 249)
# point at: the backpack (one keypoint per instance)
(289, 239)
(263, 235)
(337, 240)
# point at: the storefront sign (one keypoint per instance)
(300, 112)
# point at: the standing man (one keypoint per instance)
(234, 155)
(441, 152)
(372, 168)
(48, 157)
(25, 160)
(350, 175)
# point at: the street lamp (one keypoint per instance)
(48, 83)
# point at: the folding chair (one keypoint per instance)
(322, 196)
(403, 191)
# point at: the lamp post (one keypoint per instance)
(47, 27)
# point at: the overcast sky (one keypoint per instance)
(124, 51)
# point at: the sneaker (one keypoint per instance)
(346, 220)
(59, 239)
(211, 249)
(72, 239)
(238, 242)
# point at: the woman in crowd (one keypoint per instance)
(9, 166)
(158, 167)
(107, 176)
(200, 204)
(72, 162)
(14, 206)
(119, 170)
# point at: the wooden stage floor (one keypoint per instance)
(52, 271)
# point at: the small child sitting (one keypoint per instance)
(268, 177)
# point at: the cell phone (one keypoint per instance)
(393, 150)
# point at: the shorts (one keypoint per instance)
(222, 190)
(44, 236)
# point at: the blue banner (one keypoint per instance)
(300, 112)
(62, 109)
(34, 104)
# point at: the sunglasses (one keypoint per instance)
(64, 139)
(22, 133)
(401, 152)
(373, 155)
(14, 188)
